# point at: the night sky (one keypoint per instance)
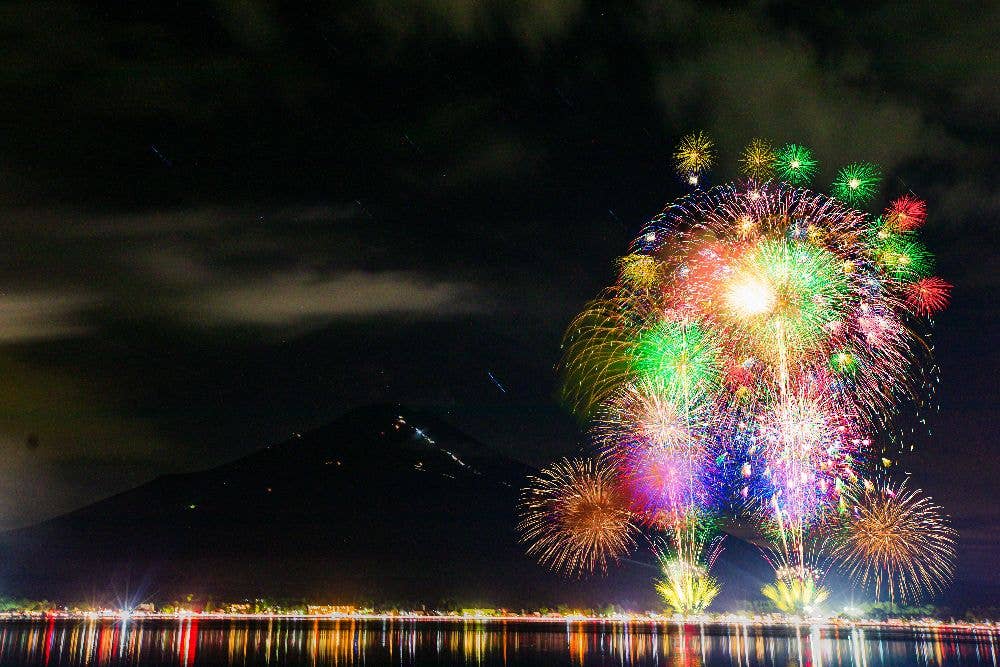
(225, 222)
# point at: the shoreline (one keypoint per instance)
(925, 625)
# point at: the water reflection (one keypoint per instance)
(395, 642)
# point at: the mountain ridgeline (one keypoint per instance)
(384, 505)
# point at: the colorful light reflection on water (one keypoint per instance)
(355, 642)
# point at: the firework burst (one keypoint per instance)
(795, 593)
(639, 271)
(795, 164)
(694, 155)
(574, 518)
(597, 350)
(806, 454)
(780, 297)
(758, 335)
(906, 213)
(896, 542)
(928, 296)
(857, 183)
(644, 412)
(758, 159)
(680, 356)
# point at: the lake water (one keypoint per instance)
(347, 642)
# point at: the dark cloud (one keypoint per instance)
(292, 298)
(42, 316)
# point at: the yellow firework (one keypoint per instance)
(640, 271)
(758, 159)
(694, 154)
(795, 593)
(574, 518)
(598, 347)
(686, 588)
(896, 542)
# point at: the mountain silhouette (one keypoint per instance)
(385, 505)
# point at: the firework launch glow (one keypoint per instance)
(749, 363)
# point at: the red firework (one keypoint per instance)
(928, 295)
(739, 375)
(907, 213)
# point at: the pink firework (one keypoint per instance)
(807, 456)
(658, 449)
(664, 483)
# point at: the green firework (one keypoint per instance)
(902, 256)
(857, 182)
(782, 296)
(795, 164)
(679, 356)
(844, 362)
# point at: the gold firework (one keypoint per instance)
(694, 154)
(640, 271)
(897, 542)
(758, 159)
(574, 518)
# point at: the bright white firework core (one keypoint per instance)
(750, 296)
